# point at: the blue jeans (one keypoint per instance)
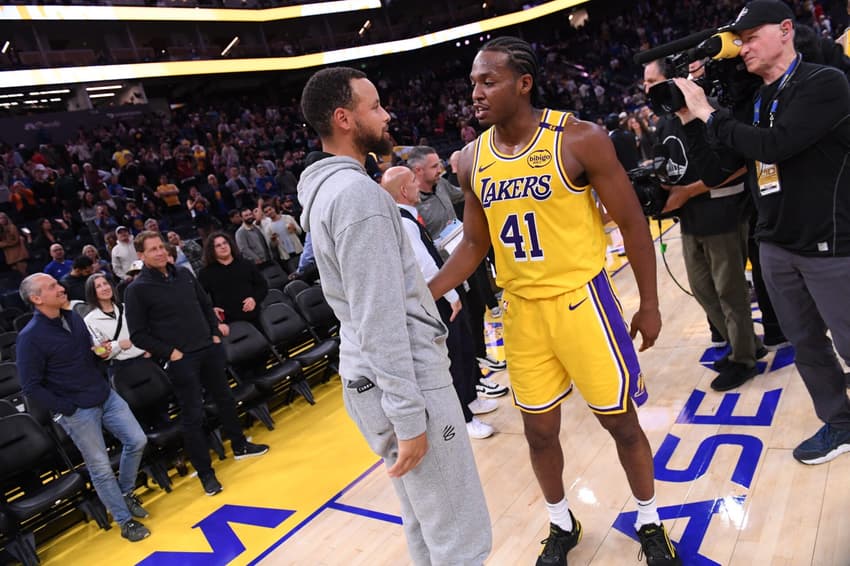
(85, 427)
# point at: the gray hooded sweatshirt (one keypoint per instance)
(390, 329)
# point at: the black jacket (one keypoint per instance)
(688, 162)
(164, 313)
(810, 143)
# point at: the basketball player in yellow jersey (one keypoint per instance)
(527, 183)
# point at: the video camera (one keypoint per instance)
(726, 77)
(647, 181)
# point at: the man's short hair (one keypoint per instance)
(326, 91)
(142, 237)
(82, 262)
(417, 155)
(29, 288)
(665, 67)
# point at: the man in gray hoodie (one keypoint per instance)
(393, 360)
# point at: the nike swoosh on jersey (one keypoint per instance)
(485, 167)
(577, 305)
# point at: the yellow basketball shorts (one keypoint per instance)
(580, 338)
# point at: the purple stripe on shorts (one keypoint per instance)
(610, 306)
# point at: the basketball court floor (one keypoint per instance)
(727, 486)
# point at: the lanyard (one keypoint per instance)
(775, 102)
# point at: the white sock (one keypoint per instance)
(647, 513)
(559, 514)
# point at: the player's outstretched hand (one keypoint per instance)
(648, 323)
(410, 453)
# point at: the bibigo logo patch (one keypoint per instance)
(540, 158)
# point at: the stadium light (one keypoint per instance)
(171, 14)
(233, 43)
(137, 71)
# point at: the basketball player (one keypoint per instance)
(528, 181)
(393, 360)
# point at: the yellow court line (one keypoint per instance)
(316, 452)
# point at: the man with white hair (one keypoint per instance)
(56, 365)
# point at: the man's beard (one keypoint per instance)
(368, 143)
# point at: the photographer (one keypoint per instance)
(797, 150)
(714, 235)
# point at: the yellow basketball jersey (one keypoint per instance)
(547, 232)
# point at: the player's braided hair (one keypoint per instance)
(521, 58)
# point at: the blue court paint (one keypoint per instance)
(225, 544)
(699, 514)
(314, 514)
(745, 469)
(395, 519)
(724, 416)
(784, 357)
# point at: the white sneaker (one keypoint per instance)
(493, 365)
(486, 387)
(478, 429)
(483, 406)
(496, 311)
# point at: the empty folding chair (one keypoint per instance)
(21, 321)
(274, 275)
(7, 345)
(272, 297)
(7, 408)
(148, 394)
(291, 338)
(251, 358)
(318, 313)
(294, 287)
(10, 386)
(26, 450)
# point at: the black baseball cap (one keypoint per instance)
(760, 12)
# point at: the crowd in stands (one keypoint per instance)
(210, 166)
(218, 179)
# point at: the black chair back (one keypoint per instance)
(21, 321)
(10, 385)
(7, 408)
(315, 309)
(23, 444)
(294, 287)
(244, 343)
(7, 345)
(281, 324)
(143, 385)
(274, 296)
(274, 276)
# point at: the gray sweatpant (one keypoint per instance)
(810, 296)
(445, 515)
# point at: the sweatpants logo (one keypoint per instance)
(448, 433)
